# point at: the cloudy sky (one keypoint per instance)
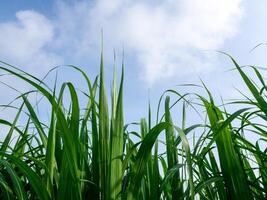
(166, 43)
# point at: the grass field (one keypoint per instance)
(90, 153)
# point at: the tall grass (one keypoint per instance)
(90, 153)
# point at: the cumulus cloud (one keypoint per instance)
(26, 40)
(165, 37)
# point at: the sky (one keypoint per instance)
(165, 43)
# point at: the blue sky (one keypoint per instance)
(166, 43)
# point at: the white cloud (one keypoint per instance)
(25, 41)
(165, 36)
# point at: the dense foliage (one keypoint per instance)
(90, 153)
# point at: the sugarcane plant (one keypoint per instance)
(91, 153)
